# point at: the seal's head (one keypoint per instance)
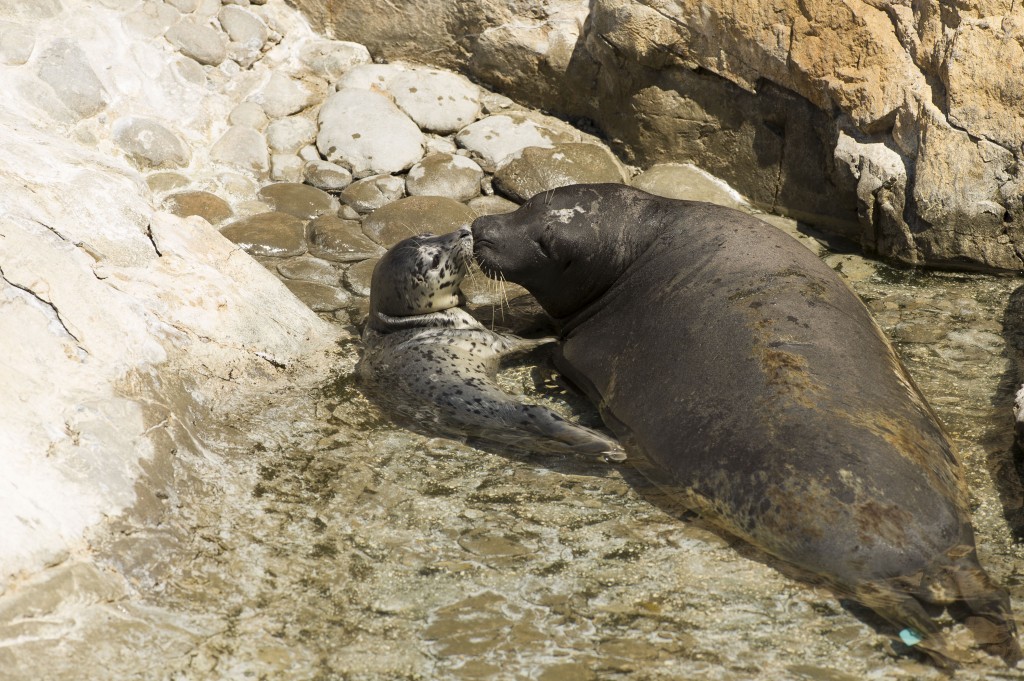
(419, 275)
(567, 246)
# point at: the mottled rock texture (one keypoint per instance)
(897, 124)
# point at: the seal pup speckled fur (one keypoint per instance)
(746, 378)
(427, 359)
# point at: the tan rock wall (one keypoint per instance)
(761, 93)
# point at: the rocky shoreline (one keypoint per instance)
(193, 196)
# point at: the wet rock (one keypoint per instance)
(65, 68)
(500, 137)
(371, 193)
(319, 297)
(416, 215)
(368, 133)
(299, 200)
(438, 101)
(198, 41)
(539, 169)
(16, 43)
(686, 181)
(282, 96)
(308, 268)
(288, 135)
(249, 114)
(330, 59)
(152, 19)
(917, 332)
(149, 144)
(286, 168)
(357, 277)
(243, 26)
(210, 207)
(160, 183)
(274, 234)
(454, 176)
(326, 175)
(492, 205)
(370, 76)
(333, 238)
(242, 147)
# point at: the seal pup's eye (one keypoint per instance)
(436, 261)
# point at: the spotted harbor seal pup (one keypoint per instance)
(746, 378)
(431, 362)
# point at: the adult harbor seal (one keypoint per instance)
(428, 360)
(746, 378)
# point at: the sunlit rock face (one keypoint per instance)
(894, 126)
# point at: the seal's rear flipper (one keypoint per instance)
(988, 613)
(960, 584)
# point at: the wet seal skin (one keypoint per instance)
(428, 361)
(748, 381)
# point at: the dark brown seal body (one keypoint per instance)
(742, 374)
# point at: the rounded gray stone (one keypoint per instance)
(438, 101)
(288, 135)
(539, 169)
(243, 26)
(242, 147)
(454, 176)
(333, 238)
(326, 175)
(249, 114)
(319, 297)
(300, 200)
(16, 43)
(274, 234)
(65, 68)
(370, 193)
(160, 183)
(357, 277)
(365, 131)
(498, 138)
(148, 144)
(198, 41)
(282, 96)
(492, 205)
(286, 168)
(416, 215)
(206, 205)
(369, 76)
(688, 182)
(330, 59)
(152, 19)
(309, 268)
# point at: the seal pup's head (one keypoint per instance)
(419, 276)
(567, 246)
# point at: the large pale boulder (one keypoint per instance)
(771, 97)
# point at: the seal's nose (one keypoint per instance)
(464, 232)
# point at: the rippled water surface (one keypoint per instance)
(353, 549)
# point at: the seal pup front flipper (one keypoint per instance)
(428, 360)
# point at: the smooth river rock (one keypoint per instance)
(538, 169)
(416, 215)
(365, 131)
(299, 200)
(451, 175)
(274, 234)
(437, 101)
(149, 144)
(339, 240)
(370, 193)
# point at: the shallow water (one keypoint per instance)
(353, 549)
(317, 541)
